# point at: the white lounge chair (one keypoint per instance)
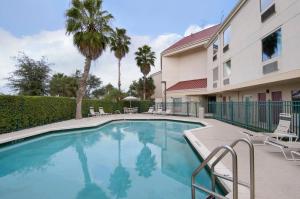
(281, 131)
(285, 147)
(101, 111)
(93, 113)
(150, 111)
(158, 111)
(167, 112)
(295, 154)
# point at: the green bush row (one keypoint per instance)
(20, 112)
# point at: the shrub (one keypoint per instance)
(20, 112)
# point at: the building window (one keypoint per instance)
(271, 46)
(226, 38)
(265, 4)
(227, 69)
(216, 74)
(215, 49)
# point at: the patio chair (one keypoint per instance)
(125, 109)
(158, 111)
(150, 111)
(295, 154)
(282, 131)
(93, 113)
(135, 109)
(167, 112)
(285, 147)
(101, 111)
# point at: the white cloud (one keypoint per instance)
(196, 28)
(59, 49)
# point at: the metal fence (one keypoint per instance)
(181, 108)
(258, 116)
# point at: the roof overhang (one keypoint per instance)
(185, 48)
(228, 19)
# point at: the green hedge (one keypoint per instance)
(20, 112)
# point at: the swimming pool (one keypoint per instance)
(122, 159)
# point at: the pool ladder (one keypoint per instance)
(234, 179)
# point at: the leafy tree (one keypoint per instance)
(137, 88)
(114, 95)
(93, 82)
(145, 58)
(31, 76)
(89, 25)
(63, 86)
(66, 86)
(120, 46)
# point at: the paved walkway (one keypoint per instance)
(276, 178)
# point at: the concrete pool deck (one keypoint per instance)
(276, 178)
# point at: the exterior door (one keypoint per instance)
(276, 106)
(262, 108)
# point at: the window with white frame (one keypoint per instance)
(265, 4)
(215, 49)
(227, 69)
(271, 46)
(226, 36)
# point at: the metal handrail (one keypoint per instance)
(252, 175)
(206, 161)
(234, 178)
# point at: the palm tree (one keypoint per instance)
(120, 46)
(145, 58)
(89, 25)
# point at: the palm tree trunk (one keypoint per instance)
(119, 78)
(82, 87)
(144, 87)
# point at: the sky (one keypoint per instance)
(37, 28)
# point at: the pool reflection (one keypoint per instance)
(120, 160)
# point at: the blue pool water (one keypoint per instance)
(124, 159)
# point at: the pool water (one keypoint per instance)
(123, 159)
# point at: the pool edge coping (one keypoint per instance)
(204, 152)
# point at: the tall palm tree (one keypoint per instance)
(120, 46)
(145, 58)
(90, 26)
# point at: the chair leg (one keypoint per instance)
(295, 153)
(281, 149)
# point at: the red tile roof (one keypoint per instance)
(199, 36)
(190, 84)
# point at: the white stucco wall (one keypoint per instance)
(247, 31)
(158, 86)
(185, 66)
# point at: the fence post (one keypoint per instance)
(231, 104)
(269, 116)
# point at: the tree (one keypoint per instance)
(105, 92)
(120, 46)
(66, 86)
(145, 58)
(113, 95)
(89, 25)
(137, 88)
(93, 82)
(31, 76)
(63, 86)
